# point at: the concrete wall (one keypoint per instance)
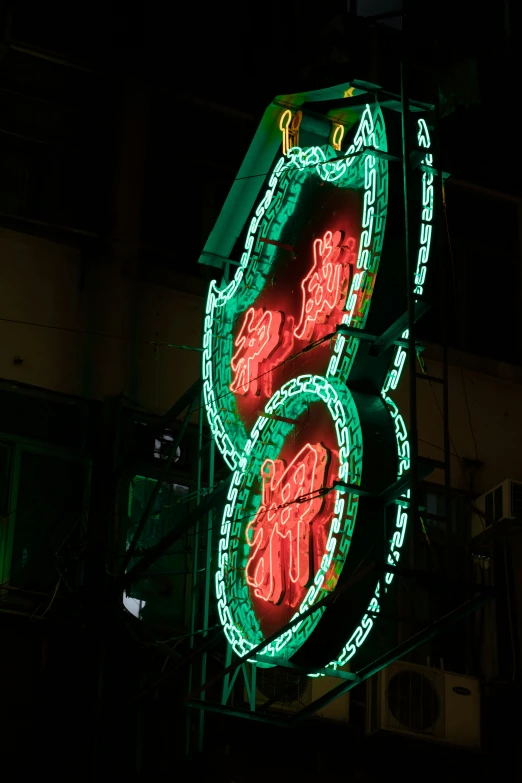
(84, 327)
(490, 432)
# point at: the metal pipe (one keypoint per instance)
(235, 712)
(172, 536)
(180, 405)
(23, 48)
(45, 224)
(193, 597)
(445, 282)
(413, 434)
(157, 486)
(206, 599)
(207, 644)
(315, 608)
(398, 652)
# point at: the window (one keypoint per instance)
(159, 594)
(435, 514)
(43, 499)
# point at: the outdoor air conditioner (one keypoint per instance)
(288, 692)
(426, 703)
(503, 502)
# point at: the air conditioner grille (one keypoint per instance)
(413, 701)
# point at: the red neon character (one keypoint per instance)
(280, 533)
(325, 287)
(265, 335)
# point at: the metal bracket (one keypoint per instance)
(382, 343)
(339, 673)
(352, 331)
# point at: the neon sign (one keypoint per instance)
(258, 338)
(289, 125)
(277, 374)
(337, 136)
(326, 284)
(280, 533)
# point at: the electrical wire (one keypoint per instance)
(302, 499)
(440, 448)
(307, 348)
(40, 616)
(192, 633)
(423, 367)
(53, 598)
(159, 343)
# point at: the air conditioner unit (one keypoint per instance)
(500, 504)
(288, 692)
(425, 703)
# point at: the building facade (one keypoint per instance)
(112, 177)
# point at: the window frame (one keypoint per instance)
(18, 446)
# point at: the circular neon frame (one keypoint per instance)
(290, 400)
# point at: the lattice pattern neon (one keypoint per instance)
(391, 382)
(275, 208)
(261, 549)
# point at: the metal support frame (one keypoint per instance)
(398, 652)
(419, 469)
(172, 536)
(190, 399)
(349, 681)
(391, 335)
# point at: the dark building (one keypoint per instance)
(121, 133)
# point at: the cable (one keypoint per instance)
(52, 599)
(101, 334)
(193, 633)
(302, 499)
(440, 448)
(40, 616)
(422, 364)
(309, 165)
(308, 347)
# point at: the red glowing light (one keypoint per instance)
(325, 287)
(280, 534)
(259, 336)
(262, 337)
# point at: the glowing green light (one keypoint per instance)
(235, 607)
(245, 453)
(391, 382)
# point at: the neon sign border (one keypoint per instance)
(330, 173)
(291, 400)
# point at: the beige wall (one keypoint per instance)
(82, 326)
(494, 393)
